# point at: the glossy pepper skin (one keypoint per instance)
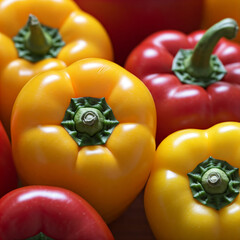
(83, 36)
(8, 174)
(55, 212)
(129, 22)
(108, 175)
(172, 211)
(189, 105)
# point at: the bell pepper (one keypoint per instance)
(37, 36)
(129, 22)
(89, 128)
(193, 189)
(8, 174)
(194, 79)
(46, 212)
(215, 10)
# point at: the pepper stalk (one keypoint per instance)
(199, 66)
(35, 41)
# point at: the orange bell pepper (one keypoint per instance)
(89, 128)
(36, 36)
(216, 10)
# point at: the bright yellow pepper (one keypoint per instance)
(216, 10)
(189, 198)
(24, 55)
(78, 144)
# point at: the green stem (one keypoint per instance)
(88, 120)
(215, 181)
(198, 64)
(37, 40)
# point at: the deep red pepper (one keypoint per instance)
(196, 94)
(130, 21)
(8, 175)
(51, 212)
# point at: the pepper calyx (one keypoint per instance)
(35, 41)
(40, 236)
(214, 183)
(89, 121)
(199, 66)
(205, 77)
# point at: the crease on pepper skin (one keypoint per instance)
(108, 175)
(8, 174)
(83, 35)
(168, 198)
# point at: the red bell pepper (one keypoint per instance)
(45, 212)
(192, 88)
(130, 21)
(8, 174)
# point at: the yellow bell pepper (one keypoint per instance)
(216, 10)
(89, 128)
(193, 189)
(36, 36)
